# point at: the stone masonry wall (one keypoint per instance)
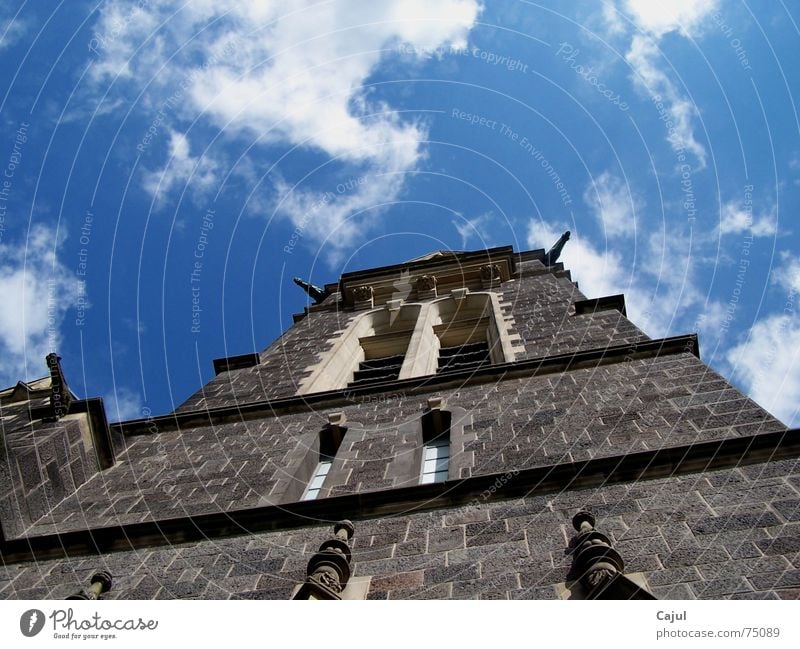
(282, 365)
(514, 423)
(543, 317)
(40, 465)
(733, 533)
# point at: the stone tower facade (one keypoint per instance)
(458, 410)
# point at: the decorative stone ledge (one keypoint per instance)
(331, 398)
(633, 467)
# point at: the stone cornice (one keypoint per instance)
(598, 472)
(331, 398)
(492, 254)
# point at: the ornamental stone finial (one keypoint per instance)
(329, 569)
(599, 567)
(100, 583)
(597, 562)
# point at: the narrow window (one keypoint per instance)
(330, 439)
(435, 443)
(436, 461)
(318, 479)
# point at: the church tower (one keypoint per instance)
(462, 425)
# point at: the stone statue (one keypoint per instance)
(490, 272)
(362, 293)
(426, 283)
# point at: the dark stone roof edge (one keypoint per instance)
(598, 472)
(529, 367)
(595, 305)
(557, 270)
(488, 254)
(238, 362)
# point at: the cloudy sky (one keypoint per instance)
(168, 167)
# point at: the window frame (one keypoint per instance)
(441, 462)
(325, 464)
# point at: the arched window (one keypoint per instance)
(313, 464)
(373, 349)
(460, 331)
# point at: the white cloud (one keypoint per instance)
(768, 364)
(735, 219)
(613, 204)
(659, 293)
(122, 404)
(181, 168)
(36, 291)
(787, 275)
(336, 219)
(660, 18)
(11, 31)
(653, 20)
(644, 58)
(612, 19)
(474, 228)
(288, 72)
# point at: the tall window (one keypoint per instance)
(435, 443)
(314, 487)
(373, 349)
(459, 332)
(330, 439)
(470, 333)
(435, 461)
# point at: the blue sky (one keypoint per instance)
(168, 167)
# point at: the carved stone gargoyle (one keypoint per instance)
(60, 396)
(555, 252)
(314, 292)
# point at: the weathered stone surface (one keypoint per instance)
(729, 533)
(271, 565)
